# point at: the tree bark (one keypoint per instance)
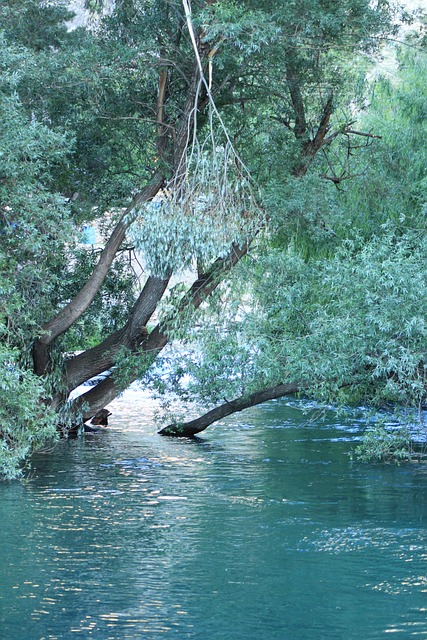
(312, 147)
(297, 101)
(106, 390)
(78, 305)
(191, 428)
(94, 361)
(67, 316)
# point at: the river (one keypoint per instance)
(262, 529)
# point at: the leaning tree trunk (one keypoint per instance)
(107, 390)
(191, 428)
(67, 316)
(172, 157)
(94, 361)
(172, 151)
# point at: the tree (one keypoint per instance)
(28, 152)
(339, 319)
(156, 105)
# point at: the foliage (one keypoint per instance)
(40, 263)
(198, 224)
(334, 294)
(83, 128)
(382, 444)
(30, 213)
(391, 184)
(351, 320)
(25, 423)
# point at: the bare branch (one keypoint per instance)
(363, 133)
(338, 179)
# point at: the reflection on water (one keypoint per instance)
(262, 529)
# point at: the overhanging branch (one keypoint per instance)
(94, 361)
(105, 391)
(191, 428)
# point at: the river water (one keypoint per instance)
(263, 529)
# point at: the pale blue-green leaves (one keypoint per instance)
(199, 216)
(25, 422)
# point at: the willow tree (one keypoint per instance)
(336, 314)
(184, 125)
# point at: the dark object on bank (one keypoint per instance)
(101, 418)
(97, 422)
(88, 429)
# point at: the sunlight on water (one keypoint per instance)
(262, 529)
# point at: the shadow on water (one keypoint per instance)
(259, 529)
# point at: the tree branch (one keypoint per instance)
(78, 305)
(318, 141)
(160, 108)
(363, 133)
(297, 103)
(192, 427)
(94, 361)
(105, 391)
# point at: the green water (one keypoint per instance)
(261, 530)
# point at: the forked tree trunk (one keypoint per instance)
(107, 390)
(94, 361)
(78, 305)
(67, 316)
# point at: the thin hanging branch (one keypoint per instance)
(207, 84)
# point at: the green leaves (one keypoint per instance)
(392, 182)
(199, 218)
(355, 315)
(25, 423)
(85, 121)
(385, 444)
(237, 25)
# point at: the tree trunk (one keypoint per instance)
(193, 427)
(106, 390)
(99, 396)
(132, 335)
(102, 357)
(76, 307)
(174, 157)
